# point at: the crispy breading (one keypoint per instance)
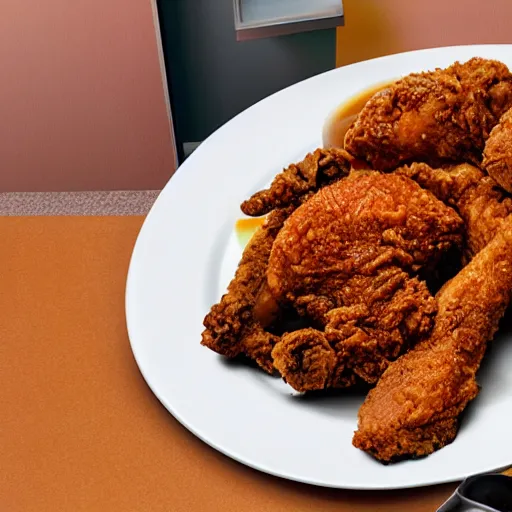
(415, 407)
(298, 182)
(445, 114)
(478, 199)
(498, 152)
(232, 328)
(347, 259)
(348, 251)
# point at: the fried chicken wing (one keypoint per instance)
(347, 259)
(480, 202)
(445, 114)
(236, 325)
(415, 407)
(498, 152)
(298, 182)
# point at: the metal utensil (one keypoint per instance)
(489, 493)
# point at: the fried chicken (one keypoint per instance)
(295, 184)
(415, 407)
(498, 152)
(440, 115)
(480, 202)
(237, 324)
(347, 259)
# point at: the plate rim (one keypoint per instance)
(232, 454)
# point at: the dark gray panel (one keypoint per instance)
(213, 77)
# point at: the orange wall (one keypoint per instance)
(82, 105)
(380, 27)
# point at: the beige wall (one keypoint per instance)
(381, 27)
(82, 105)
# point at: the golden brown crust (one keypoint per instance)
(445, 114)
(355, 227)
(394, 312)
(480, 202)
(346, 259)
(305, 359)
(363, 337)
(298, 182)
(498, 152)
(231, 328)
(349, 259)
(415, 406)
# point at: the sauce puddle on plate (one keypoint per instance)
(333, 135)
(342, 117)
(245, 229)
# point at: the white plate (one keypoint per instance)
(184, 257)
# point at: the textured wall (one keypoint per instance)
(82, 105)
(380, 27)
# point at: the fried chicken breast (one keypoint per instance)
(348, 259)
(440, 115)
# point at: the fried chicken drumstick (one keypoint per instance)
(415, 407)
(446, 114)
(347, 259)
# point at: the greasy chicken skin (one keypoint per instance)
(415, 407)
(298, 182)
(440, 115)
(498, 152)
(480, 202)
(233, 326)
(348, 259)
(241, 323)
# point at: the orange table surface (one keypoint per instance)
(79, 428)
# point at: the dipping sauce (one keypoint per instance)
(245, 228)
(333, 135)
(340, 120)
(265, 309)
